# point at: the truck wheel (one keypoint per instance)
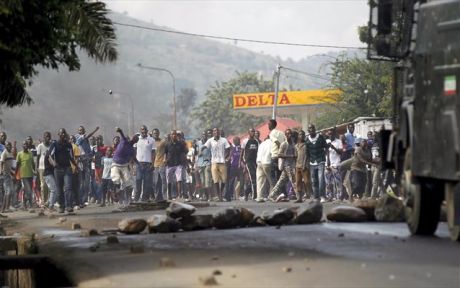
(422, 202)
(453, 203)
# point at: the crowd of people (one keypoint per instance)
(72, 171)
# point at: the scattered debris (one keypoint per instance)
(217, 272)
(308, 268)
(363, 265)
(174, 236)
(376, 233)
(62, 219)
(41, 213)
(287, 269)
(208, 280)
(167, 262)
(341, 235)
(391, 277)
(32, 211)
(428, 275)
(233, 276)
(94, 247)
(132, 226)
(291, 254)
(76, 226)
(215, 258)
(112, 239)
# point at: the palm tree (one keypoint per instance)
(48, 33)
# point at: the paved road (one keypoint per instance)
(319, 255)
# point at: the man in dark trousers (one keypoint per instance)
(317, 148)
(61, 156)
(249, 158)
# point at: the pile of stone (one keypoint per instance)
(386, 209)
(180, 217)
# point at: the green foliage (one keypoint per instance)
(363, 34)
(217, 109)
(48, 33)
(367, 90)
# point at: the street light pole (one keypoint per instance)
(174, 88)
(277, 83)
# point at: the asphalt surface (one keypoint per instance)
(320, 255)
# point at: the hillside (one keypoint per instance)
(69, 99)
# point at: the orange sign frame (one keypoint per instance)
(285, 98)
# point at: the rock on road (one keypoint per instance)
(328, 254)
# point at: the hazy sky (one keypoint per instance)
(325, 22)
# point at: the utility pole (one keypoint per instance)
(277, 83)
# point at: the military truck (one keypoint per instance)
(423, 39)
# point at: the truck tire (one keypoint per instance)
(422, 201)
(452, 205)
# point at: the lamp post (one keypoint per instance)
(131, 122)
(174, 88)
(277, 83)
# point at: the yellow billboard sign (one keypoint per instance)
(285, 98)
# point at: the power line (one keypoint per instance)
(318, 76)
(236, 39)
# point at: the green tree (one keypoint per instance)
(366, 87)
(217, 109)
(48, 33)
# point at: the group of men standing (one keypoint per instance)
(285, 166)
(289, 165)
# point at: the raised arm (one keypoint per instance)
(92, 133)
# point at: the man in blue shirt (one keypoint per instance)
(86, 154)
(351, 140)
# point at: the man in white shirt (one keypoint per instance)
(332, 172)
(220, 149)
(277, 137)
(264, 166)
(42, 148)
(144, 170)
